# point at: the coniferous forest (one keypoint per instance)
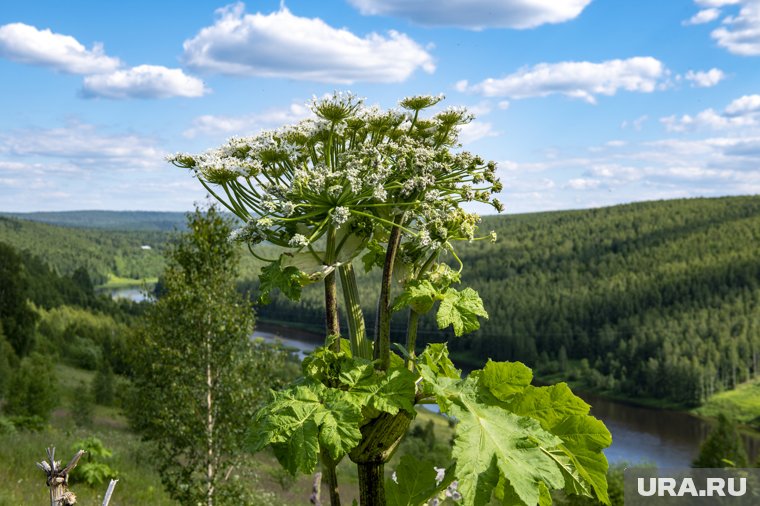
(655, 299)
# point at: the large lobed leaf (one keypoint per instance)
(514, 442)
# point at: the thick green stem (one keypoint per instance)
(383, 326)
(372, 484)
(330, 475)
(332, 323)
(332, 326)
(360, 345)
(411, 337)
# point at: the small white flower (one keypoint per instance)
(340, 215)
(440, 474)
(298, 241)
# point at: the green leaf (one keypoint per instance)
(460, 310)
(565, 415)
(549, 405)
(415, 483)
(386, 391)
(289, 281)
(581, 457)
(339, 424)
(439, 375)
(504, 379)
(489, 435)
(375, 256)
(420, 295)
(436, 358)
(303, 417)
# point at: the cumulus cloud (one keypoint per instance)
(616, 173)
(26, 44)
(476, 14)
(703, 16)
(143, 81)
(283, 45)
(705, 79)
(583, 184)
(584, 80)
(474, 131)
(739, 33)
(215, 125)
(741, 113)
(84, 146)
(85, 166)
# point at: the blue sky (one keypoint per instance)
(583, 103)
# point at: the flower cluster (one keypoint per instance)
(351, 162)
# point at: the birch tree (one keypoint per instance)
(198, 377)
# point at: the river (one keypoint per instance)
(640, 435)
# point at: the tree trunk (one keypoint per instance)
(210, 470)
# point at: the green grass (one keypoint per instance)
(741, 404)
(139, 482)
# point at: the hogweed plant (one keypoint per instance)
(384, 189)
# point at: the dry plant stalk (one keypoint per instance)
(58, 479)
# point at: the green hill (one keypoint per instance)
(656, 299)
(111, 220)
(104, 253)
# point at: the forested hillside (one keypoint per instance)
(123, 253)
(112, 220)
(656, 299)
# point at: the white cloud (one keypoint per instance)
(474, 131)
(584, 80)
(283, 45)
(703, 16)
(477, 14)
(748, 104)
(83, 146)
(26, 44)
(705, 79)
(741, 113)
(583, 184)
(636, 124)
(739, 33)
(143, 81)
(214, 125)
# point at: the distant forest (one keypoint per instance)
(656, 299)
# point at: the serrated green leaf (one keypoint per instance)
(415, 483)
(420, 295)
(375, 256)
(583, 464)
(303, 417)
(518, 446)
(386, 391)
(549, 405)
(436, 357)
(460, 310)
(289, 281)
(505, 379)
(301, 451)
(438, 373)
(339, 423)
